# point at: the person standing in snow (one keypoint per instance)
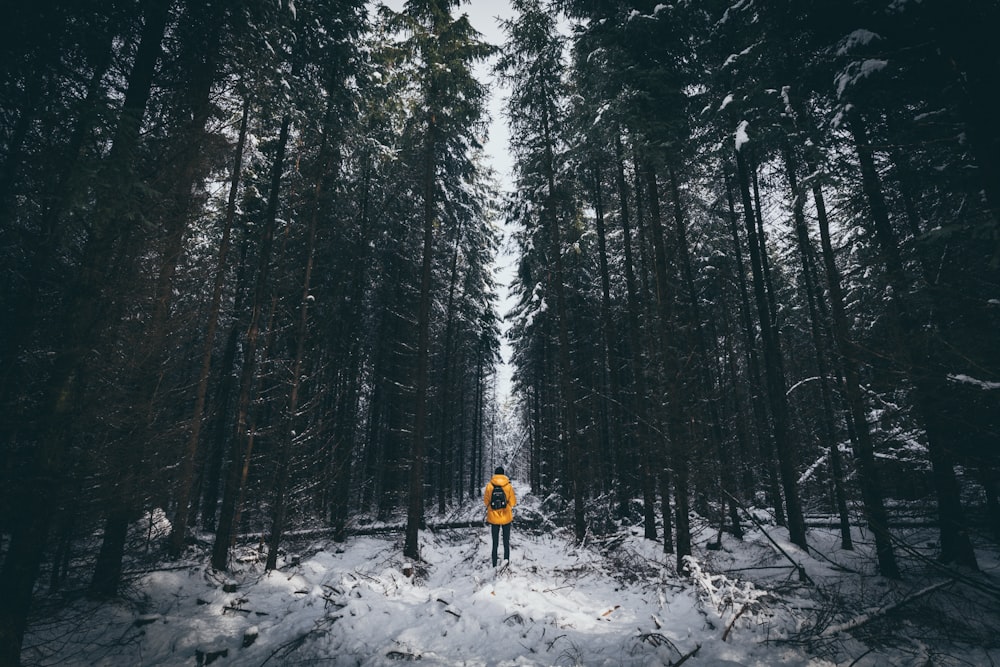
(500, 499)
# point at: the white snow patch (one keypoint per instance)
(857, 71)
(859, 37)
(966, 379)
(741, 134)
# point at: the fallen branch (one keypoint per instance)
(798, 566)
(729, 627)
(872, 614)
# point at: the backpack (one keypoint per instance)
(499, 499)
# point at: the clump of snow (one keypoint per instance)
(741, 134)
(859, 37)
(967, 379)
(857, 71)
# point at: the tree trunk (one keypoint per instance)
(864, 449)
(929, 383)
(758, 408)
(178, 531)
(705, 374)
(774, 371)
(328, 161)
(646, 435)
(445, 427)
(242, 442)
(805, 253)
(670, 335)
(108, 568)
(415, 506)
(616, 447)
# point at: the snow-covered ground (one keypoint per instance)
(612, 602)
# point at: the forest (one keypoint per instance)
(248, 277)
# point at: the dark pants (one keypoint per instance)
(495, 529)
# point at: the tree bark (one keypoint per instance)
(774, 370)
(566, 381)
(805, 253)
(864, 449)
(670, 336)
(929, 383)
(705, 375)
(415, 506)
(178, 531)
(646, 435)
(242, 441)
(609, 335)
(758, 408)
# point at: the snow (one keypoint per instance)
(741, 134)
(615, 600)
(857, 71)
(860, 37)
(733, 57)
(966, 379)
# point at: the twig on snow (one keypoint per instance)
(729, 627)
(690, 654)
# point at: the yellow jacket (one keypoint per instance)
(505, 515)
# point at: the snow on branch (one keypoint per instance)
(966, 379)
(872, 614)
(856, 71)
(730, 597)
(741, 134)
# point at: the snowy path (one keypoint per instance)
(558, 605)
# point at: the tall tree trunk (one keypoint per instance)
(242, 441)
(758, 408)
(178, 531)
(445, 427)
(774, 370)
(646, 435)
(864, 449)
(566, 381)
(347, 411)
(670, 335)
(329, 162)
(929, 383)
(415, 506)
(806, 253)
(705, 364)
(617, 447)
